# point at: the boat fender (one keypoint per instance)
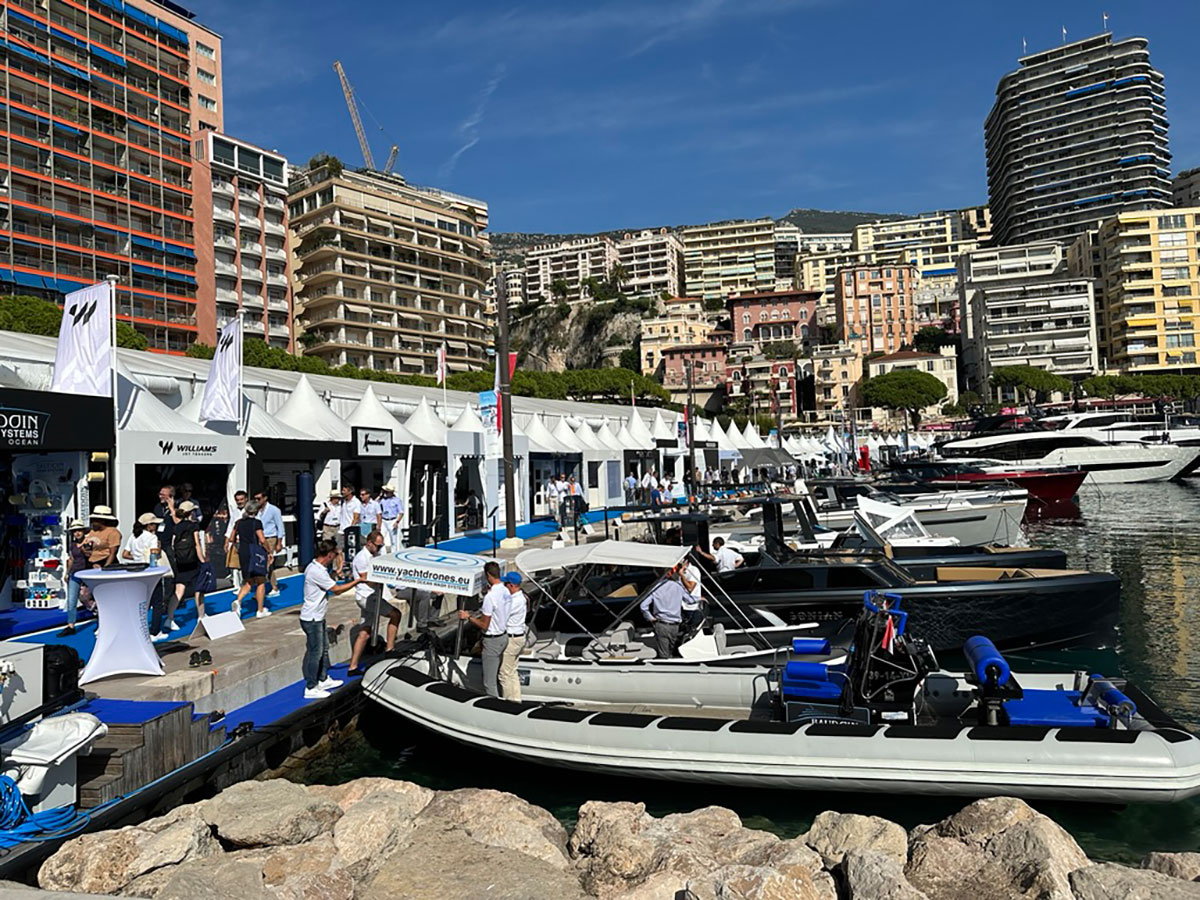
(805, 671)
(986, 663)
(810, 646)
(1111, 700)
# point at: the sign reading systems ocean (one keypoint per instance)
(45, 420)
(430, 569)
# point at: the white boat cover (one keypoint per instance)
(602, 553)
(426, 426)
(468, 421)
(371, 413)
(659, 429)
(308, 413)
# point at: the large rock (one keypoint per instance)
(1109, 881)
(1177, 865)
(216, 879)
(414, 797)
(499, 819)
(995, 849)
(875, 875)
(269, 813)
(371, 830)
(108, 861)
(448, 864)
(622, 852)
(312, 871)
(833, 833)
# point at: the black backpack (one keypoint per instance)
(185, 545)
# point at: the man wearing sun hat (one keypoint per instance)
(390, 512)
(103, 541)
(510, 681)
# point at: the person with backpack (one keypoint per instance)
(191, 552)
(254, 554)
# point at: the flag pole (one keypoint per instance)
(112, 324)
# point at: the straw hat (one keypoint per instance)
(103, 512)
(335, 495)
(149, 519)
(389, 488)
(77, 525)
(186, 507)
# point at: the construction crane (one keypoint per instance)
(352, 105)
(391, 160)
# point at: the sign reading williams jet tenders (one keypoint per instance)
(430, 569)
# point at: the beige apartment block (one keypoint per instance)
(240, 194)
(653, 263)
(683, 322)
(876, 306)
(837, 370)
(1150, 292)
(727, 258)
(570, 263)
(819, 272)
(387, 271)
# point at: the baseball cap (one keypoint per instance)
(511, 578)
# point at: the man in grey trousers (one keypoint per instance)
(663, 608)
(492, 620)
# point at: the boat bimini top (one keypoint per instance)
(602, 553)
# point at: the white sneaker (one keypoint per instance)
(262, 614)
(174, 626)
(274, 593)
(329, 684)
(236, 608)
(158, 637)
(315, 693)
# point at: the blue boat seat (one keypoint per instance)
(1054, 708)
(810, 646)
(812, 681)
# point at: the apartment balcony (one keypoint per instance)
(223, 188)
(227, 241)
(280, 331)
(252, 301)
(222, 214)
(251, 248)
(227, 296)
(277, 279)
(250, 222)
(249, 198)
(275, 228)
(276, 253)
(275, 201)
(225, 268)
(276, 305)
(254, 275)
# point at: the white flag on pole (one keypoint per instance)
(86, 353)
(441, 364)
(222, 394)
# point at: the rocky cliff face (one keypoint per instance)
(578, 341)
(375, 838)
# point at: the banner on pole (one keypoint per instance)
(86, 353)
(489, 412)
(222, 400)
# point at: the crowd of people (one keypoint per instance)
(348, 516)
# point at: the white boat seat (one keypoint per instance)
(718, 633)
(41, 760)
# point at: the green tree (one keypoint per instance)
(33, 315)
(909, 390)
(1036, 384)
(560, 289)
(629, 360)
(780, 350)
(931, 338)
(200, 351)
(329, 161)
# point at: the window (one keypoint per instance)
(745, 318)
(207, 103)
(1177, 273)
(206, 77)
(1172, 239)
(1172, 222)
(1178, 291)
(206, 51)
(273, 169)
(1173, 256)
(222, 151)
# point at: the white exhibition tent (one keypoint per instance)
(371, 413)
(540, 438)
(587, 439)
(605, 435)
(660, 430)
(256, 422)
(564, 435)
(753, 440)
(308, 413)
(468, 421)
(639, 432)
(425, 425)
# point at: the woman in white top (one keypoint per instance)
(143, 546)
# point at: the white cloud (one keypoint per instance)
(469, 128)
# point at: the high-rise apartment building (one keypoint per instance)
(243, 267)
(727, 258)
(558, 271)
(1077, 134)
(1185, 189)
(932, 242)
(388, 271)
(1023, 307)
(832, 242)
(819, 272)
(876, 309)
(100, 105)
(653, 264)
(1149, 295)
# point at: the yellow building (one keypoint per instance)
(837, 369)
(1149, 289)
(683, 322)
(729, 258)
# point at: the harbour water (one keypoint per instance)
(1149, 535)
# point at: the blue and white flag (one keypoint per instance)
(84, 360)
(222, 400)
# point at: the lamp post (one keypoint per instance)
(511, 541)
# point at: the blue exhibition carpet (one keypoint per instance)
(19, 620)
(273, 707)
(291, 593)
(128, 712)
(481, 542)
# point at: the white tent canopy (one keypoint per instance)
(602, 553)
(605, 436)
(308, 413)
(659, 429)
(540, 438)
(626, 440)
(256, 422)
(703, 429)
(468, 421)
(426, 426)
(752, 438)
(638, 430)
(564, 435)
(587, 439)
(370, 413)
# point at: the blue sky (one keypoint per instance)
(576, 116)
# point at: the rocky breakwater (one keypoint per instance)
(375, 838)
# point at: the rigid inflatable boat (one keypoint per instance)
(884, 719)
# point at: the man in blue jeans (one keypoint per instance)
(318, 585)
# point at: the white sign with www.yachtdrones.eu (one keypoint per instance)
(428, 568)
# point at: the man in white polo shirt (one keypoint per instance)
(492, 620)
(510, 681)
(318, 585)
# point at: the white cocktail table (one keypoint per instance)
(123, 645)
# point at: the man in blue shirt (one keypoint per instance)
(272, 527)
(663, 608)
(390, 512)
